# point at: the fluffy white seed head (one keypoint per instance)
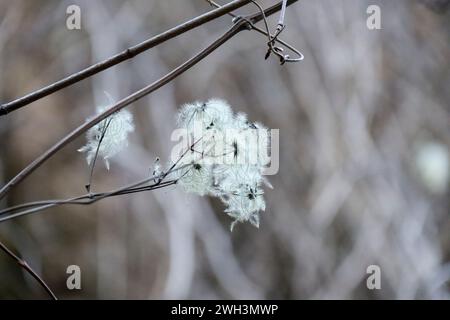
(226, 163)
(245, 205)
(197, 178)
(215, 114)
(114, 129)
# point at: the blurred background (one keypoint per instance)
(364, 153)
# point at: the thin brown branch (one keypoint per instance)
(90, 198)
(23, 264)
(240, 25)
(264, 32)
(86, 199)
(256, 17)
(120, 57)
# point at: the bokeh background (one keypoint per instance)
(364, 153)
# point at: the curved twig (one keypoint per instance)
(271, 39)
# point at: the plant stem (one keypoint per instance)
(23, 264)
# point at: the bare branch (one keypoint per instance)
(86, 199)
(120, 57)
(90, 198)
(267, 33)
(23, 264)
(282, 14)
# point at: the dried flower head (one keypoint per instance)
(214, 114)
(109, 136)
(227, 162)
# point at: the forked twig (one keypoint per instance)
(90, 198)
(86, 199)
(278, 51)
